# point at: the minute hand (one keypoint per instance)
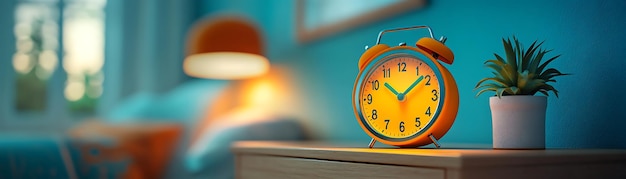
(413, 85)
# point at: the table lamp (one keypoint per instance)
(225, 48)
(228, 48)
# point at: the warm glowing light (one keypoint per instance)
(84, 43)
(225, 65)
(48, 60)
(273, 92)
(262, 93)
(74, 90)
(47, 64)
(22, 63)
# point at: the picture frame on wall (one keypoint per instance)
(321, 18)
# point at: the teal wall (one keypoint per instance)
(589, 34)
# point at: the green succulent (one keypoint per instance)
(521, 73)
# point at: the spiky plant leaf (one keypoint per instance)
(488, 87)
(485, 90)
(526, 58)
(512, 90)
(496, 80)
(505, 70)
(511, 58)
(499, 91)
(521, 72)
(534, 64)
(547, 88)
(499, 58)
(544, 92)
(545, 64)
(550, 73)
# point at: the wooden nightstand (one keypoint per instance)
(309, 160)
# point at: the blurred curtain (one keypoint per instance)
(144, 46)
(7, 48)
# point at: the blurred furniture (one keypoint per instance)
(147, 135)
(93, 149)
(145, 149)
(306, 160)
(212, 113)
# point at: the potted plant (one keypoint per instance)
(518, 116)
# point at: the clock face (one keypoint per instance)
(400, 96)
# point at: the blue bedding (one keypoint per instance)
(39, 156)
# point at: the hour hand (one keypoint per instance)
(391, 88)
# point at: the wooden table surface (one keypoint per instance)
(453, 161)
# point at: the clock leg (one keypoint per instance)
(372, 142)
(434, 141)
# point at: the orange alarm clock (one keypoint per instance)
(403, 96)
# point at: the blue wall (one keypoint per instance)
(589, 113)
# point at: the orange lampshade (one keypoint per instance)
(225, 48)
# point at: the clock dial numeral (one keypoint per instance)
(386, 123)
(386, 73)
(427, 111)
(375, 114)
(427, 80)
(418, 123)
(401, 126)
(435, 97)
(375, 85)
(402, 67)
(417, 71)
(369, 98)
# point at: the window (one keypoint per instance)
(62, 40)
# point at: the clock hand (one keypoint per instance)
(413, 85)
(400, 96)
(391, 88)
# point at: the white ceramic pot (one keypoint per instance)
(518, 122)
